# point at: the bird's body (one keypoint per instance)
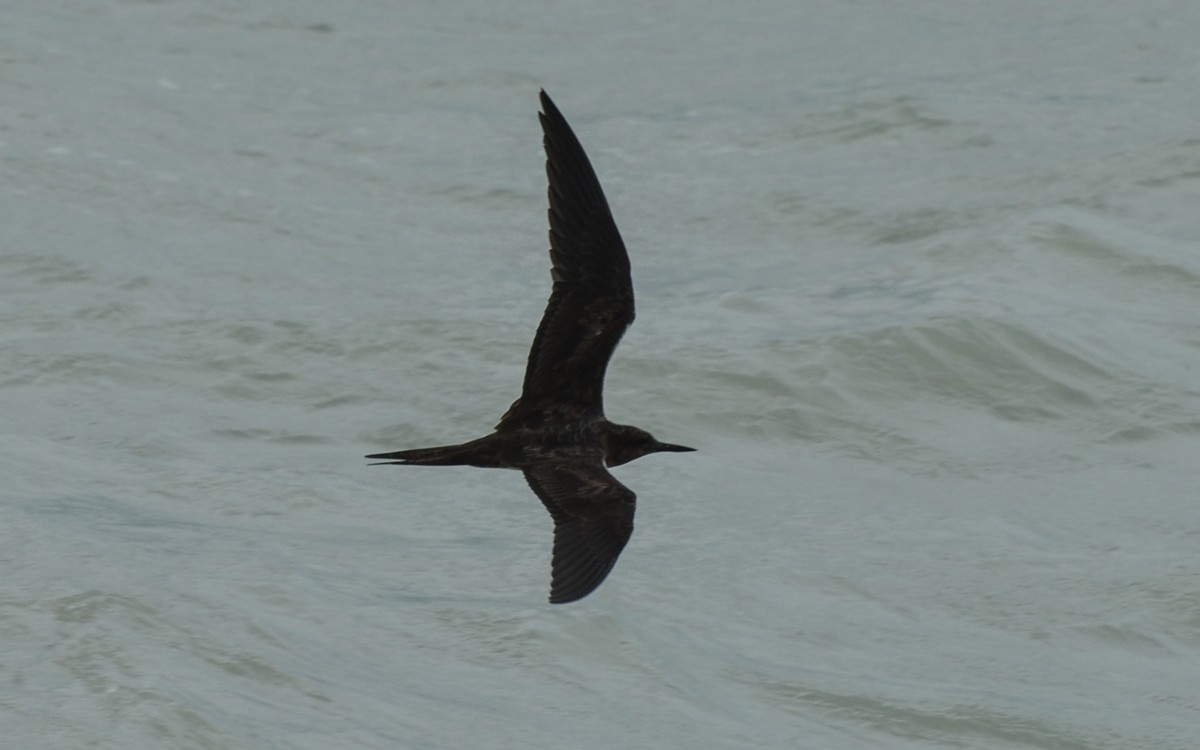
(556, 432)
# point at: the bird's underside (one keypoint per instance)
(556, 433)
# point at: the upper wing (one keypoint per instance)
(593, 519)
(591, 303)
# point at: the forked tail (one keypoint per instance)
(443, 455)
(481, 452)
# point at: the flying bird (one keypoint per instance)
(556, 432)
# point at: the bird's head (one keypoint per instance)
(625, 443)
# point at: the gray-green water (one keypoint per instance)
(920, 280)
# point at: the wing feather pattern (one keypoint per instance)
(591, 302)
(593, 520)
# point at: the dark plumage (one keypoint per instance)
(556, 432)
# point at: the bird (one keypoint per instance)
(556, 433)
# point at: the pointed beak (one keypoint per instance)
(673, 448)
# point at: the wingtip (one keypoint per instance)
(566, 598)
(548, 106)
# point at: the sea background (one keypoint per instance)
(920, 280)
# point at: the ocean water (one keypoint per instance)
(921, 281)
